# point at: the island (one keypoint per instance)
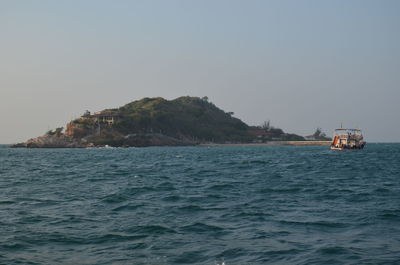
(184, 121)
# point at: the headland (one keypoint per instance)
(184, 121)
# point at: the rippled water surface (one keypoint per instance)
(200, 205)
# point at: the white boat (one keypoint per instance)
(347, 139)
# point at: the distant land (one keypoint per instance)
(156, 121)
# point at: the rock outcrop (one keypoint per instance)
(53, 141)
(137, 140)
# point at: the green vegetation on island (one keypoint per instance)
(158, 122)
(318, 135)
(266, 132)
(182, 121)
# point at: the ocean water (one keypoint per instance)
(200, 205)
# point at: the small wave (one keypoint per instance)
(232, 253)
(252, 214)
(72, 219)
(271, 256)
(281, 190)
(190, 257)
(107, 238)
(201, 228)
(219, 187)
(151, 230)
(359, 197)
(196, 208)
(13, 246)
(126, 194)
(336, 250)
(139, 190)
(31, 219)
(172, 198)
(136, 246)
(191, 208)
(261, 162)
(165, 186)
(114, 198)
(384, 191)
(390, 215)
(315, 224)
(6, 202)
(43, 238)
(126, 208)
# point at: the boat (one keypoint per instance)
(347, 139)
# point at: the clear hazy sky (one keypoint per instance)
(300, 64)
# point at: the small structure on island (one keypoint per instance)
(260, 135)
(106, 116)
(90, 121)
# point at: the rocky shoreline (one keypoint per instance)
(132, 140)
(144, 140)
(52, 141)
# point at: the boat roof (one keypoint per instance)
(345, 129)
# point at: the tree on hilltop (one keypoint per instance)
(266, 126)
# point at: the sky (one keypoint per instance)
(301, 64)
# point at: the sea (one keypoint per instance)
(200, 205)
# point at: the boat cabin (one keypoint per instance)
(347, 139)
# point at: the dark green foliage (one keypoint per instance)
(183, 118)
(115, 141)
(292, 137)
(276, 131)
(57, 131)
(317, 132)
(320, 135)
(272, 133)
(85, 123)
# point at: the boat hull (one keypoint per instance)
(347, 148)
(336, 148)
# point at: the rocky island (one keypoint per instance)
(158, 122)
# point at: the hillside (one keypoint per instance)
(184, 118)
(157, 122)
